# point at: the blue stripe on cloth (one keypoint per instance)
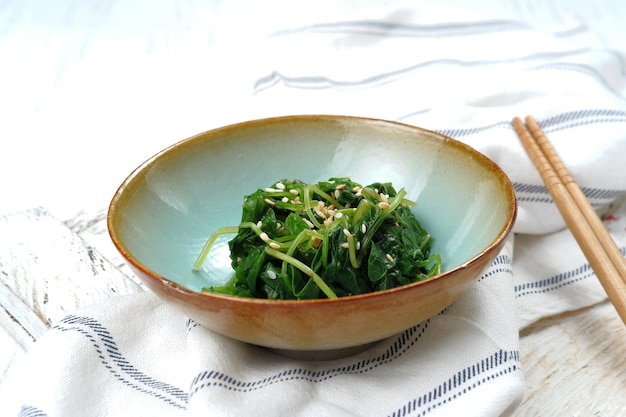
(582, 69)
(531, 193)
(392, 29)
(30, 411)
(321, 82)
(401, 344)
(500, 265)
(498, 364)
(115, 362)
(556, 282)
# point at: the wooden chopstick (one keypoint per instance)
(596, 243)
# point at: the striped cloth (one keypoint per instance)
(462, 75)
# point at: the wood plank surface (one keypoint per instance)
(46, 272)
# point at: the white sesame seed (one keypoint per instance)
(356, 189)
(383, 205)
(390, 258)
(294, 191)
(363, 228)
(264, 237)
(338, 215)
(345, 245)
(337, 193)
(308, 222)
(384, 197)
(340, 187)
(270, 202)
(285, 200)
(280, 185)
(320, 213)
(274, 245)
(271, 274)
(358, 245)
(327, 222)
(270, 190)
(347, 232)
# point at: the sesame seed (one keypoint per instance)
(390, 258)
(294, 191)
(347, 232)
(264, 237)
(338, 215)
(285, 200)
(345, 245)
(280, 185)
(271, 274)
(363, 228)
(274, 245)
(270, 202)
(358, 245)
(337, 193)
(383, 205)
(384, 197)
(270, 190)
(259, 223)
(340, 187)
(320, 213)
(308, 222)
(356, 189)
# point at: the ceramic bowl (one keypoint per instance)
(163, 213)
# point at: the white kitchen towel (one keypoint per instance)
(463, 75)
(136, 356)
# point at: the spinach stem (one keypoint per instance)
(209, 243)
(302, 267)
(352, 252)
(308, 207)
(394, 202)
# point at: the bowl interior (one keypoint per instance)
(165, 211)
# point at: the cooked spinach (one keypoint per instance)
(331, 239)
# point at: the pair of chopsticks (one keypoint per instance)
(597, 245)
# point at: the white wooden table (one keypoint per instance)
(56, 259)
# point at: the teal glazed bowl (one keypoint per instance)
(162, 214)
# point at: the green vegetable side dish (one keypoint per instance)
(331, 239)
